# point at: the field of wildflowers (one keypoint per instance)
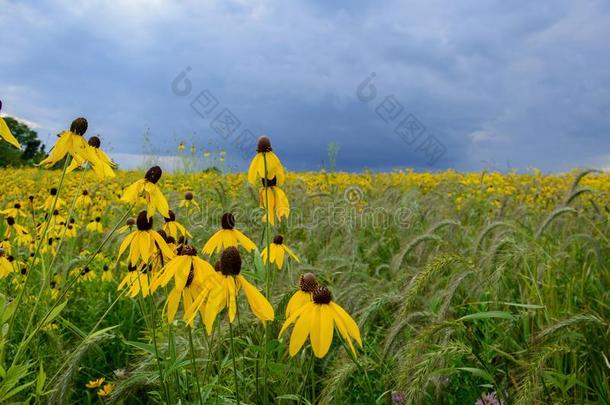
(279, 287)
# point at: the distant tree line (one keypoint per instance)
(32, 148)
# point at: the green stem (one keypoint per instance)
(33, 261)
(43, 282)
(194, 364)
(234, 366)
(267, 278)
(70, 285)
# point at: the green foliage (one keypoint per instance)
(452, 304)
(32, 149)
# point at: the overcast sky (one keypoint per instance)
(455, 84)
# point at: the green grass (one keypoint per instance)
(452, 304)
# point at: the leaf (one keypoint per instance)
(528, 306)
(54, 313)
(478, 372)
(142, 346)
(293, 397)
(487, 315)
(42, 377)
(258, 261)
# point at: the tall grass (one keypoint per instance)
(456, 299)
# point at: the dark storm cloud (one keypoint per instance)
(519, 82)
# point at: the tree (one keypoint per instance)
(32, 148)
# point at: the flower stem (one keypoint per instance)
(234, 366)
(194, 364)
(33, 261)
(267, 277)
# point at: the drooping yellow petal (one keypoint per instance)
(257, 301)
(279, 256)
(173, 300)
(291, 253)
(163, 246)
(293, 317)
(126, 243)
(342, 329)
(213, 243)
(133, 191)
(144, 244)
(350, 324)
(316, 325)
(6, 134)
(216, 302)
(301, 330)
(326, 329)
(298, 300)
(244, 240)
(253, 170)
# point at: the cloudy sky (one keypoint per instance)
(431, 85)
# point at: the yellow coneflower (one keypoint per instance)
(227, 236)
(100, 162)
(193, 149)
(278, 202)
(188, 200)
(206, 154)
(264, 153)
(5, 246)
(128, 226)
(137, 279)
(5, 132)
(6, 265)
(86, 275)
(84, 200)
(307, 285)
(173, 228)
(107, 275)
(225, 295)
(95, 225)
(48, 203)
(71, 229)
(105, 390)
(277, 251)
(155, 200)
(181, 146)
(14, 211)
(95, 383)
(193, 277)
(178, 267)
(16, 230)
(316, 320)
(144, 242)
(55, 286)
(70, 142)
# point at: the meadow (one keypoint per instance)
(465, 288)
